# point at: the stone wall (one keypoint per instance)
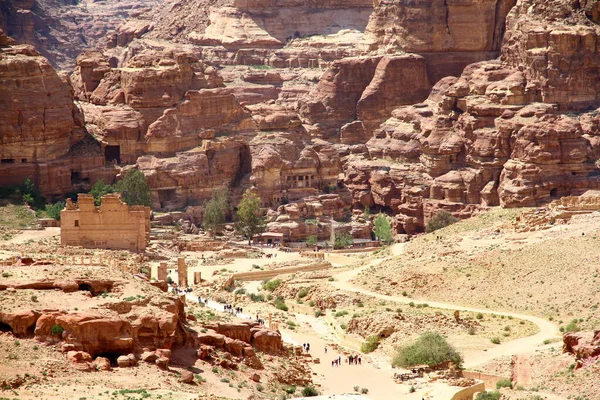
(113, 225)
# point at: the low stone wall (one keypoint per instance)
(262, 275)
(488, 379)
(468, 393)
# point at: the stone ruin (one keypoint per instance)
(112, 225)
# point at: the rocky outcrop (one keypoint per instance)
(585, 346)
(42, 131)
(365, 89)
(61, 30)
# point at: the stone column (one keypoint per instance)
(182, 271)
(161, 273)
(197, 277)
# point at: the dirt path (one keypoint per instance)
(547, 329)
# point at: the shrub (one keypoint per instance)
(430, 348)
(311, 240)
(303, 293)
(311, 303)
(495, 395)
(280, 304)
(342, 240)
(356, 388)
(412, 389)
(364, 390)
(572, 326)
(479, 316)
(495, 340)
(257, 297)
(34, 298)
(57, 330)
(318, 313)
(240, 291)
(290, 389)
(440, 220)
(53, 210)
(504, 383)
(272, 284)
(309, 391)
(370, 344)
(472, 330)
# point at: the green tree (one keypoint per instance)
(311, 240)
(53, 210)
(216, 210)
(383, 229)
(342, 240)
(440, 220)
(31, 194)
(100, 189)
(250, 222)
(134, 189)
(430, 348)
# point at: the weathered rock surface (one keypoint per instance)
(585, 346)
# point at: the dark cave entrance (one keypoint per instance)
(112, 153)
(554, 193)
(111, 356)
(5, 328)
(84, 287)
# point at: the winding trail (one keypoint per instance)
(547, 329)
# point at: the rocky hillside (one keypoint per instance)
(406, 108)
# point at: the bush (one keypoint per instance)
(280, 304)
(57, 330)
(303, 293)
(364, 390)
(342, 240)
(290, 389)
(134, 189)
(53, 210)
(430, 348)
(479, 316)
(504, 383)
(495, 340)
(272, 284)
(495, 395)
(440, 220)
(257, 297)
(572, 326)
(309, 391)
(370, 345)
(383, 229)
(311, 240)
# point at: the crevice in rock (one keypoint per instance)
(447, 16)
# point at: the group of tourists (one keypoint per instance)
(231, 309)
(337, 362)
(180, 290)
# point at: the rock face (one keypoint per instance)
(585, 346)
(61, 29)
(364, 89)
(42, 130)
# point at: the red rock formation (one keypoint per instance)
(585, 346)
(42, 130)
(365, 89)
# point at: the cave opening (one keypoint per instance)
(554, 193)
(6, 328)
(112, 153)
(112, 356)
(85, 287)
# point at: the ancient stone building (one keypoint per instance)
(113, 225)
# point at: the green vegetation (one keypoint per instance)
(280, 304)
(342, 240)
(311, 240)
(310, 391)
(572, 326)
(53, 210)
(134, 189)
(383, 229)
(495, 340)
(257, 297)
(56, 330)
(303, 293)
(495, 395)
(250, 222)
(370, 344)
(430, 348)
(440, 220)
(504, 383)
(100, 189)
(216, 210)
(271, 285)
